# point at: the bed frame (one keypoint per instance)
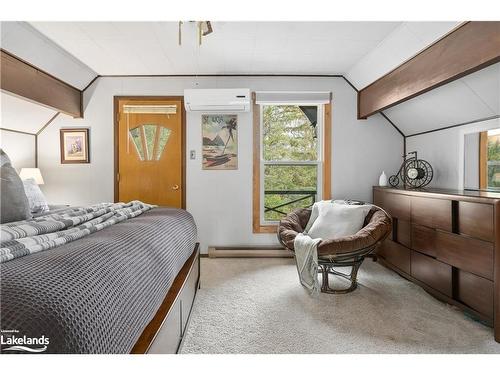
(165, 332)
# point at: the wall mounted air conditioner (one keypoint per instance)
(217, 100)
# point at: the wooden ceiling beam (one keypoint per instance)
(467, 49)
(25, 80)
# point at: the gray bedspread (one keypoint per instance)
(96, 294)
(45, 232)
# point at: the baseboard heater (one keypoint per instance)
(249, 252)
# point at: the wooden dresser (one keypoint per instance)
(448, 242)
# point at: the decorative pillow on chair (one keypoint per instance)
(337, 220)
(36, 199)
(314, 214)
(14, 205)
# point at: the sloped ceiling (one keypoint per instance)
(22, 115)
(22, 40)
(471, 98)
(404, 42)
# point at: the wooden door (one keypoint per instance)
(150, 152)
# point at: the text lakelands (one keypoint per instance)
(24, 340)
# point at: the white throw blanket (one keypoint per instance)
(306, 258)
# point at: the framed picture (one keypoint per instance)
(220, 142)
(74, 146)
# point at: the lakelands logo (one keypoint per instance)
(16, 343)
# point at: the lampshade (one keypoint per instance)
(31, 173)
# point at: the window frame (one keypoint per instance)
(260, 225)
(484, 161)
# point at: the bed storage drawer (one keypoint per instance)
(188, 293)
(396, 254)
(168, 337)
(432, 272)
(475, 292)
(466, 253)
(433, 213)
(476, 220)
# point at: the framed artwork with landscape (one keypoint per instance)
(74, 146)
(220, 142)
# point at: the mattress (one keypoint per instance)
(98, 293)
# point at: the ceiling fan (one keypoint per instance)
(204, 28)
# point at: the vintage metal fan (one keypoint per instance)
(413, 173)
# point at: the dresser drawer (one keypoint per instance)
(475, 292)
(378, 198)
(395, 254)
(432, 272)
(433, 213)
(403, 232)
(397, 205)
(476, 220)
(423, 239)
(466, 253)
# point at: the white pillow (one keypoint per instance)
(314, 214)
(36, 199)
(337, 220)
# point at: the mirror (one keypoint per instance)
(482, 160)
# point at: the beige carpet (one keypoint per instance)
(258, 306)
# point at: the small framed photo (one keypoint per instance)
(74, 146)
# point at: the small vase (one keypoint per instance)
(382, 180)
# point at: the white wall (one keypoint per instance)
(221, 201)
(444, 150)
(19, 147)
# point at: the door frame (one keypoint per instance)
(116, 120)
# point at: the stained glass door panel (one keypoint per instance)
(149, 141)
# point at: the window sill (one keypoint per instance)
(265, 229)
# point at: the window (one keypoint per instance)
(148, 141)
(489, 160)
(292, 158)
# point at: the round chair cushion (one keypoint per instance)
(377, 226)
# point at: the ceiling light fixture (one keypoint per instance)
(206, 27)
(203, 29)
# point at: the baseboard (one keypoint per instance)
(249, 252)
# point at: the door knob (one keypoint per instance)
(175, 187)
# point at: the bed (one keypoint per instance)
(128, 288)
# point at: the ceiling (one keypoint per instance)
(471, 98)
(78, 51)
(22, 115)
(151, 48)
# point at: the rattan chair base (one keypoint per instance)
(327, 269)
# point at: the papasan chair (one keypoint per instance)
(349, 251)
